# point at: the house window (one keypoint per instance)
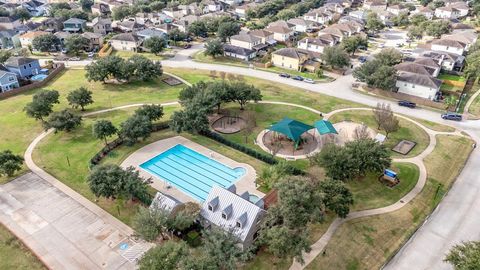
(11, 78)
(404, 84)
(238, 225)
(413, 86)
(29, 65)
(24, 67)
(210, 208)
(224, 216)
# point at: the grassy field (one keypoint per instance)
(369, 193)
(452, 77)
(475, 106)
(407, 131)
(367, 243)
(14, 255)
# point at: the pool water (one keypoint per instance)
(191, 172)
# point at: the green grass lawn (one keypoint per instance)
(407, 131)
(369, 193)
(475, 106)
(450, 88)
(451, 77)
(14, 255)
(367, 243)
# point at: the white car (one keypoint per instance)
(308, 80)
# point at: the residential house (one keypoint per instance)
(166, 27)
(22, 66)
(7, 39)
(239, 52)
(386, 17)
(62, 36)
(282, 31)
(334, 7)
(166, 203)
(417, 68)
(102, 25)
(95, 41)
(175, 13)
(425, 11)
(265, 36)
(52, 25)
(375, 5)
(35, 8)
(151, 32)
(74, 25)
(467, 37)
(342, 30)
(246, 41)
(183, 23)
(27, 38)
(397, 9)
(302, 25)
(448, 45)
(317, 44)
(419, 85)
(462, 7)
(447, 61)
(125, 42)
(233, 213)
(130, 25)
(241, 11)
(211, 6)
(447, 12)
(296, 59)
(101, 9)
(8, 81)
(321, 16)
(358, 14)
(10, 23)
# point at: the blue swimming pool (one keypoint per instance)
(191, 172)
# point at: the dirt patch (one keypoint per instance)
(346, 131)
(280, 144)
(172, 81)
(404, 147)
(229, 124)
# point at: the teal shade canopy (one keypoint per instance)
(293, 129)
(325, 127)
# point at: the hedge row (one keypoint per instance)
(253, 153)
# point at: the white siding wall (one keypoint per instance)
(416, 90)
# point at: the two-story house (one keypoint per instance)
(27, 38)
(10, 22)
(22, 66)
(245, 41)
(321, 16)
(102, 25)
(397, 9)
(302, 25)
(8, 81)
(419, 85)
(265, 36)
(125, 42)
(448, 45)
(74, 25)
(375, 5)
(447, 12)
(293, 58)
(318, 44)
(95, 41)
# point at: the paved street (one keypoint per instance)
(62, 232)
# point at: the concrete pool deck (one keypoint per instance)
(245, 183)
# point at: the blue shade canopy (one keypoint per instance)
(293, 129)
(325, 127)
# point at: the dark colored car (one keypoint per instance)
(362, 59)
(187, 46)
(284, 75)
(452, 116)
(408, 104)
(297, 78)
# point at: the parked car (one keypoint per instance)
(297, 78)
(406, 103)
(91, 54)
(187, 46)
(452, 116)
(362, 59)
(74, 59)
(308, 80)
(284, 75)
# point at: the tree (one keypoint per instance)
(105, 68)
(155, 44)
(437, 28)
(86, 5)
(80, 98)
(185, 217)
(213, 48)
(353, 43)
(425, 2)
(438, 3)
(150, 223)
(111, 181)
(166, 256)
(415, 32)
(385, 77)
(134, 128)
(382, 114)
(42, 104)
(401, 19)
(198, 28)
(142, 68)
(336, 57)
(152, 112)
(176, 35)
(450, 101)
(4, 55)
(64, 120)
(465, 256)
(45, 43)
(390, 125)
(336, 197)
(335, 160)
(418, 19)
(9, 163)
(102, 129)
(193, 118)
(389, 57)
(227, 29)
(243, 93)
(121, 12)
(76, 43)
(222, 249)
(374, 24)
(21, 13)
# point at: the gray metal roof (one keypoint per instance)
(240, 210)
(165, 202)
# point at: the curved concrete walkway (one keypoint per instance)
(318, 246)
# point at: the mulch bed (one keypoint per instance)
(172, 81)
(287, 147)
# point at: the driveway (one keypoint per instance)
(63, 233)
